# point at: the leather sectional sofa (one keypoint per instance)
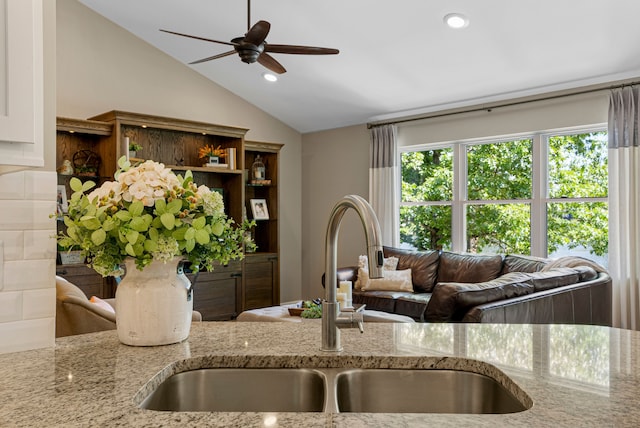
(452, 287)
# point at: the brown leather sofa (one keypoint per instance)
(452, 287)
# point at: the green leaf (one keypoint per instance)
(136, 208)
(87, 185)
(129, 249)
(108, 225)
(190, 245)
(217, 229)
(150, 246)
(200, 222)
(132, 236)
(179, 234)
(168, 220)
(90, 222)
(190, 233)
(98, 237)
(123, 215)
(161, 206)
(138, 224)
(202, 237)
(174, 206)
(153, 234)
(75, 184)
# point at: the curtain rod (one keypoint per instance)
(490, 107)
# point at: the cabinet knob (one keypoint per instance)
(61, 272)
(236, 275)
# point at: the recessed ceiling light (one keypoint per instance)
(270, 77)
(456, 20)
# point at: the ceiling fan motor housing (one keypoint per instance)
(248, 52)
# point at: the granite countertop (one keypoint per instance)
(575, 375)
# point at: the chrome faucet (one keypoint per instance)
(332, 318)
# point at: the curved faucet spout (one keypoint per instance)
(330, 331)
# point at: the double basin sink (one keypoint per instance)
(333, 390)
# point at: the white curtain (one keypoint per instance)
(624, 206)
(383, 181)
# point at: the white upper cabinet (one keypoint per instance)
(21, 83)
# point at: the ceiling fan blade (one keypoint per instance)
(270, 62)
(299, 50)
(199, 38)
(257, 33)
(222, 55)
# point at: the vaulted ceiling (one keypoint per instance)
(396, 58)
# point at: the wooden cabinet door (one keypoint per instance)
(216, 295)
(260, 280)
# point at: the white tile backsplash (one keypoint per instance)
(12, 186)
(39, 303)
(27, 273)
(10, 306)
(39, 244)
(27, 334)
(28, 215)
(40, 185)
(13, 244)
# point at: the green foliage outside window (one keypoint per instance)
(499, 176)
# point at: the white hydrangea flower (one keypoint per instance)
(212, 202)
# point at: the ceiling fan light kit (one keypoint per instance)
(252, 47)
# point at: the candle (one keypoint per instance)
(341, 298)
(126, 146)
(345, 287)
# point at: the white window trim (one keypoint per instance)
(539, 198)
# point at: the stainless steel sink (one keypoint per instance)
(332, 390)
(422, 391)
(240, 390)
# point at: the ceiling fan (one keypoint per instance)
(253, 47)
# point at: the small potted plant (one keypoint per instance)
(214, 154)
(134, 148)
(70, 255)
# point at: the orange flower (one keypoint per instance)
(208, 150)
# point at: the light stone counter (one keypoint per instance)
(576, 376)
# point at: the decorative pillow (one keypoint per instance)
(393, 280)
(102, 304)
(390, 263)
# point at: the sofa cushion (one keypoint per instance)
(393, 280)
(553, 278)
(389, 265)
(451, 300)
(465, 268)
(378, 300)
(413, 305)
(423, 265)
(519, 263)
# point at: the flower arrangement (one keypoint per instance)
(149, 213)
(208, 151)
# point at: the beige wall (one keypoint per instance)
(102, 67)
(335, 163)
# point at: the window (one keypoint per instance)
(544, 194)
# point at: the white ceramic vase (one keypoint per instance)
(153, 306)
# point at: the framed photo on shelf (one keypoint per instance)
(62, 206)
(259, 209)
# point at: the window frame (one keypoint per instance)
(539, 180)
